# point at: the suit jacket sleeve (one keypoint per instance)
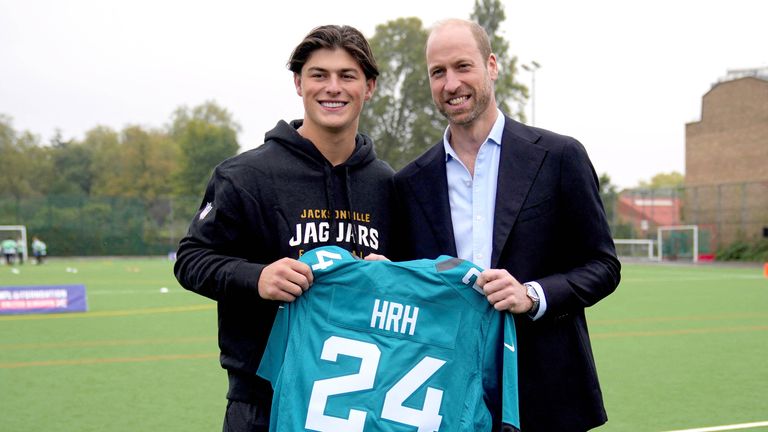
(585, 252)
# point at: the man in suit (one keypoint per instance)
(523, 203)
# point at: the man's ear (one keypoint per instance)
(370, 86)
(493, 67)
(297, 83)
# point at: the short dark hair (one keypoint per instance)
(478, 33)
(334, 36)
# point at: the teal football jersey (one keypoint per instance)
(390, 346)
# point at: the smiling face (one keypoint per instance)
(460, 78)
(334, 88)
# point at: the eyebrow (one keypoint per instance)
(320, 69)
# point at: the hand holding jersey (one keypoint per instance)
(284, 280)
(504, 292)
(287, 278)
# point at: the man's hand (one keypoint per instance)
(504, 292)
(375, 257)
(284, 280)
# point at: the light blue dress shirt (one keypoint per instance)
(473, 200)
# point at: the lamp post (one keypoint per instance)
(534, 66)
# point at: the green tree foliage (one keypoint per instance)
(401, 117)
(145, 162)
(105, 146)
(206, 135)
(510, 94)
(20, 161)
(671, 180)
(71, 162)
(610, 196)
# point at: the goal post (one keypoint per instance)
(677, 241)
(636, 248)
(16, 232)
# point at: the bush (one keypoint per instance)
(756, 251)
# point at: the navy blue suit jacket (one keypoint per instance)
(550, 227)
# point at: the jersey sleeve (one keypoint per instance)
(510, 414)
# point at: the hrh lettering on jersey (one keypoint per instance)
(394, 317)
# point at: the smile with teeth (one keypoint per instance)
(457, 100)
(333, 104)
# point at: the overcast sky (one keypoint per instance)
(623, 77)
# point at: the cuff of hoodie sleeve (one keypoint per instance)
(244, 280)
(542, 300)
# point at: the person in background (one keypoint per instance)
(313, 182)
(523, 203)
(9, 250)
(20, 248)
(39, 249)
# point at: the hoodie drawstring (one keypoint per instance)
(352, 220)
(329, 199)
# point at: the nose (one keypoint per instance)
(334, 85)
(452, 82)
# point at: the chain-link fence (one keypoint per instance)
(724, 213)
(87, 226)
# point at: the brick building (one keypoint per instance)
(726, 158)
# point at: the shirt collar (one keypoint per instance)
(494, 136)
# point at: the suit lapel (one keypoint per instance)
(520, 162)
(430, 188)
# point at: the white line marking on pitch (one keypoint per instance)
(725, 427)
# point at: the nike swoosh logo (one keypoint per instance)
(206, 210)
(509, 347)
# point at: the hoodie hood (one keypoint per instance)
(288, 136)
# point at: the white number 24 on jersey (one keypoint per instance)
(427, 419)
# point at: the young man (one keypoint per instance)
(523, 203)
(313, 182)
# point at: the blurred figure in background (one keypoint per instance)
(39, 249)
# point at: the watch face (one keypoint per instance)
(531, 292)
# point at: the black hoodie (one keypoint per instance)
(275, 201)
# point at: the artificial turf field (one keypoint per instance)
(677, 347)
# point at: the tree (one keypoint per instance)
(206, 135)
(610, 196)
(139, 166)
(510, 94)
(400, 116)
(104, 144)
(671, 180)
(71, 163)
(20, 161)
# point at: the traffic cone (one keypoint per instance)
(765, 269)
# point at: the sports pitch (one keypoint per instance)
(677, 347)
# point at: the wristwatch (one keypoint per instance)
(534, 296)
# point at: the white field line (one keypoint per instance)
(725, 427)
(692, 278)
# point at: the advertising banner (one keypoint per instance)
(42, 299)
